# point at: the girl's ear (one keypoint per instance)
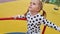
(38, 9)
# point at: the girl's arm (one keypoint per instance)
(49, 23)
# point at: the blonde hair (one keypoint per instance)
(41, 8)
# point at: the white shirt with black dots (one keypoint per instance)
(35, 21)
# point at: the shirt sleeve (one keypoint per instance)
(49, 23)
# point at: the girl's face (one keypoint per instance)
(34, 6)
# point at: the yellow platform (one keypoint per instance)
(13, 8)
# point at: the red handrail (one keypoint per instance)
(11, 18)
(44, 29)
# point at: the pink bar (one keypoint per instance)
(2, 1)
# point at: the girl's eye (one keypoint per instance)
(34, 4)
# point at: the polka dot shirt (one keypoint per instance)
(35, 21)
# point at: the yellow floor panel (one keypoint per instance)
(13, 8)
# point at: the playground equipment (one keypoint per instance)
(11, 18)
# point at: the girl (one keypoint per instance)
(34, 19)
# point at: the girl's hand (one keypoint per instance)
(17, 16)
(58, 29)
